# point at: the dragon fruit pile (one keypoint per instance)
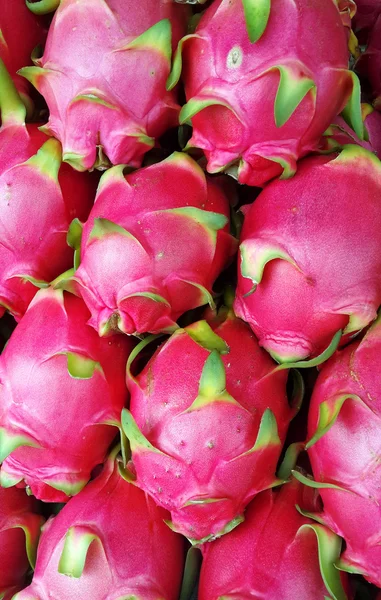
(190, 293)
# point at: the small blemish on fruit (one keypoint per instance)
(234, 59)
(210, 444)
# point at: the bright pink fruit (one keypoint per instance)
(39, 198)
(61, 389)
(153, 245)
(20, 32)
(103, 77)
(310, 255)
(207, 423)
(256, 108)
(369, 64)
(108, 542)
(345, 419)
(19, 532)
(275, 553)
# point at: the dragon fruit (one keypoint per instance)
(108, 542)
(207, 420)
(344, 428)
(62, 389)
(152, 247)
(306, 271)
(19, 532)
(39, 199)
(276, 553)
(256, 108)
(369, 64)
(20, 32)
(103, 77)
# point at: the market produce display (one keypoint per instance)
(190, 296)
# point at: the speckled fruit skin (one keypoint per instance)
(39, 197)
(344, 426)
(109, 542)
(256, 108)
(274, 553)
(62, 389)
(208, 417)
(103, 75)
(305, 271)
(153, 245)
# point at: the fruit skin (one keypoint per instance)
(344, 430)
(274, 553)
(369, 64)
(310, 255)
(103, 74)
(39, 197)
(135, 275)
(200, 421)
(257, 108)
(19, 533)
(55, 366)
(133, 554)
(20, 33)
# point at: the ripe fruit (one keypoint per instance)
(310, 255)
(208, 419)
(61, 393)
(256, 108)
(152, 247)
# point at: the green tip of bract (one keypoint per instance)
(352, 111)
(9, 443)
(48, 159)
(12, 108)
(158, 37)
(81, 367)
(213, 378)
(257, 13)
(43, 7)
(291, 91)
(204, 336)
(74, 554)
(329, 548)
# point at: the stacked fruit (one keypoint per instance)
(174, 426)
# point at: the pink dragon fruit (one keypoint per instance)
(369, 64)
(19, 532)
(344, 427)
(62, 389)
(152, 247)
(207, 423)
(39, 199)
(310, 255)
(20, 32)
(258, 107)
(339, 134)
(103, 77)
(275, 553)
(108, 542)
